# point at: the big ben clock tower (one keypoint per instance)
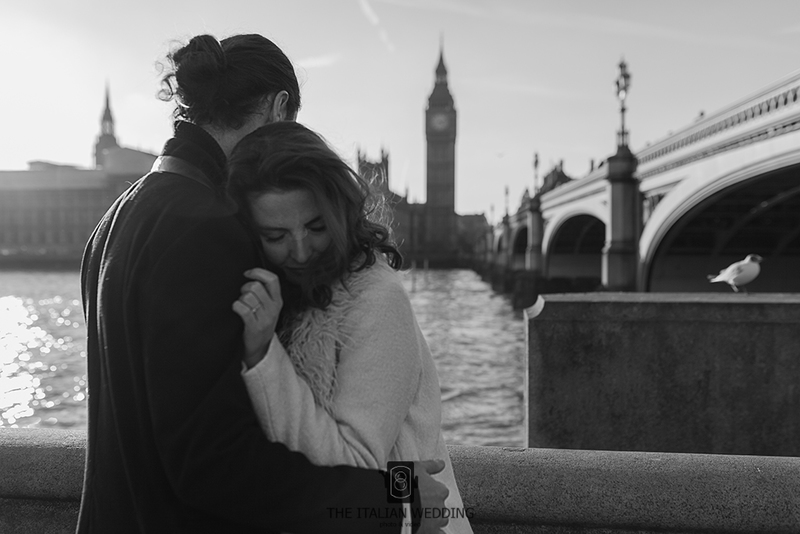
(440, 132)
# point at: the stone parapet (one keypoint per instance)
(665, 372)
(532, 491)
(41, 473)
(552, 491)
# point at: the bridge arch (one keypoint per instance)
(574, 257)
(499, 244)
(499, 247)
(709, 221)
(519, 247)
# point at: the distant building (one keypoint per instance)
(406, 219)
(432, 232)
(48, 212)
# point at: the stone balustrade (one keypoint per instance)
(541, 491)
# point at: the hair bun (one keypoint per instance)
(224, 83)
(199, 70)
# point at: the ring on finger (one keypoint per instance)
(255, 309)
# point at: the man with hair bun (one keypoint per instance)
(173, 442)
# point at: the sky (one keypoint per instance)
(527, 76)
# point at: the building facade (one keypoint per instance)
(48, 212)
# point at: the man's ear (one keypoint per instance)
(278, 107)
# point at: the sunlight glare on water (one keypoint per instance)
(42, 354)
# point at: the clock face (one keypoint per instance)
(440, 121)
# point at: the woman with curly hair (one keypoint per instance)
(336, 364)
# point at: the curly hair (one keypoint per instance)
(222, 83)
(286, 156)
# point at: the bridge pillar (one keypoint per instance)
(508, 249)
(486, 258)
(533, 254)
(502, 259)
(527, 282)
(621, 252)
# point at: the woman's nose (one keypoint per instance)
(301, 251)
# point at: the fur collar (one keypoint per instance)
(316, 338)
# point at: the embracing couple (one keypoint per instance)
(254, 363)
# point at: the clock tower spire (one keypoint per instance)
(107, 139)
(440, 133)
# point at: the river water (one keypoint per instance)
(476, 339)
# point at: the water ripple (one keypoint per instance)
(476, 339)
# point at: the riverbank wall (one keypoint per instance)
(513, 491)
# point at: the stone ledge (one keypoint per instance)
(42, 463)
(531, 491)
(27, 516)
(554, 490)
(778, 308)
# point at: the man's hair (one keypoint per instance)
(286, 156)
(222, 83)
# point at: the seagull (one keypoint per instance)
(739, 273)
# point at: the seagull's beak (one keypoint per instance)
(756, 258)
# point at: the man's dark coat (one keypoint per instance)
(174, 445)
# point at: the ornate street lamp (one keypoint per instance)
(623, 85)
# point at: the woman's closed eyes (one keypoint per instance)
(276, 237)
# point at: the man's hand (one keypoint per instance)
(431, 495)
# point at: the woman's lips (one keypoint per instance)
(296, 271)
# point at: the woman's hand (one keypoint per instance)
(259, 307)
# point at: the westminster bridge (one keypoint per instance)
(724, 186)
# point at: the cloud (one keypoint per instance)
(315, 62)
(373, 19)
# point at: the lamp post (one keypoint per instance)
(620, 268)
(623, 85)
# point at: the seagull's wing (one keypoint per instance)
(728, 273)
(735, 270)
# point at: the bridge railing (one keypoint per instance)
(772, 110)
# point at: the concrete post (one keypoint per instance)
(621, 252)
(712, 373)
